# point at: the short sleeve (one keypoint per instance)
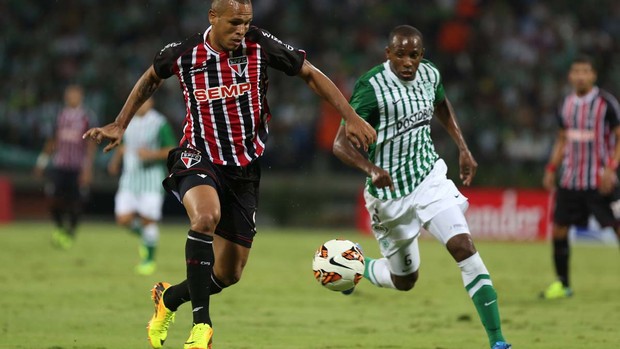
(279, 55)
(364, 101)
(164, 62)
(612, 117)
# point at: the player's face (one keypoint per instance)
(229, 25)
(582, 77)
(73, 96)
(405, 54)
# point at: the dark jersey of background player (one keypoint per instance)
(587, 151)
(231, 131)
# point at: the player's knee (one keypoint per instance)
(205, 222)
(124, 220)
(230, 277)
(461, 247)
(406, 282)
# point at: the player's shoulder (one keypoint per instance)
(607, 96)
(176, 48)
(372, 73)
(429, 67)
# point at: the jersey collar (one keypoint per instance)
(395, 78)
(588, 97)
(206, 43)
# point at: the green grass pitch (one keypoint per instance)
(89, 297)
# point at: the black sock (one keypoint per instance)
(57, 216)
(560, 257)
(199, 258)
(178, 294)
(75, 211)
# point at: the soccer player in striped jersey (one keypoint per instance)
(71, 160)
(215, 171)
(407, 189)
(140, 196)
(587, 152)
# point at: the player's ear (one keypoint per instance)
(212, 17)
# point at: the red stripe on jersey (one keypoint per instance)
(582, 182)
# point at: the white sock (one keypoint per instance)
(150, 234)
(474, 274)
(378, 272)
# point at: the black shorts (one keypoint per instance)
(574, 207)
(237, 188)
(64, 184)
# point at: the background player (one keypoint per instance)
(72, 160)
(140, 196)
(407, 188)
(587, 149)
(215, 172)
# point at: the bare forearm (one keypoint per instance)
(144, 88)
(349, 155)
(447, 118)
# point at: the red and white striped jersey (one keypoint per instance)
(70, 151)
(589, 122)
(225, 92)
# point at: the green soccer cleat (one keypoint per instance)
(145, 268)
(157, 329)
(61, 239)
(200, 337)
(556, 291)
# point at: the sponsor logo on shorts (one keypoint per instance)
(190, 159)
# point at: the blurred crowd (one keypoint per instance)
(503, 62)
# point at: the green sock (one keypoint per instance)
(136, 227)
(485, 300)
(366, 265)
(150, 253)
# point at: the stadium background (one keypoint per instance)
(503, 62)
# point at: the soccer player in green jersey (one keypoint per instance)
(407, 188)
(140, 196)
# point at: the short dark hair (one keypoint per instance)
(217, 4)
(405, 30)
(584, 59)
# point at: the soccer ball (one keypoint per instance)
(338, 265)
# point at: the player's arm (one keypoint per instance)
(351, 156)
(447, 118)
(357, 130)
(86, 175)
(144, 88)
(555, 159)
(114, 165)
(44, 157)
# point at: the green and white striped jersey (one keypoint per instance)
(400, 111)
(150, 131)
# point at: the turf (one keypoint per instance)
(89, 297)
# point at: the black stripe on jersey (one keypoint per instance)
(213, 80)
(198, 140)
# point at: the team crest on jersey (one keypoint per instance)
(238, 64)
(190, 159)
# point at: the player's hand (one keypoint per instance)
(360, 133)
(381, 178)
(112, 132)
(468, 167)
(608, 181)
(549, 180)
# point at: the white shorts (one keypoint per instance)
(147, 205)
(397, 223)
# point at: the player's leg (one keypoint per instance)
(571, 208)
(396, 228)
(149, 210)
(450, 228)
